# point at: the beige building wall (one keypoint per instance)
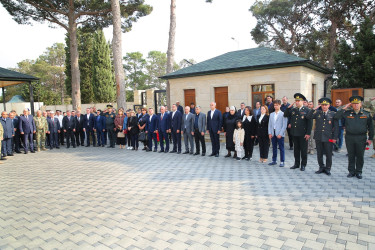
(287, 81)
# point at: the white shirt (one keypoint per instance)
(275, 118)
(186, 117)
(60, 118)
(150, 117)
(212, 113)
(173, 114)
(261, 117)
(247, 117)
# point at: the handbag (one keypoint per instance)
(142, 136)
(120, 134)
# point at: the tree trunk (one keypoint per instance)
(332, 43)
(73, 47)
(170, 52)
(117, 54)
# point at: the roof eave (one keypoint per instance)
(306, 63)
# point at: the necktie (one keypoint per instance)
(162, 116)
(324, 115)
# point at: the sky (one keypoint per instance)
(203, 30)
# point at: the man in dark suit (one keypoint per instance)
(6, 148)
(269, 103)
(69, 126)
(53, 130)
(179, 107)
(175, 129)
(241, 111)
(199, 130)
(100, 127)
(16, 137)
(214, 124)
(79, 134)
(88, 127)
(27, 130)
(163, 128)
(152, 129)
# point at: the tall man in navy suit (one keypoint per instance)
(175, 129)
(163, 129)
(214, 124)
(100, 127)
(6, 148)
(53, 130)
(80, 135)
(27, 129)
(152, 129)
(69, 126)
(16, 138)
(88, 127)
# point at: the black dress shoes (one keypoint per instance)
(87, 146)
(32, 151)
(319, 171)
(10, 155)
(166, 151)
(327, 172)
(212, 154)
(228, 155)
(350, 175)
(161, 151)
(359, 175)
(18, 152)
(294, 167)
(217, 155)
(186, 152)
(303, 168)
(148, 150)
(203, 154)
(173, 151)
(196, 153)
(179, 152)
(155, 150)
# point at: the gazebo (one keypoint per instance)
(10, 77)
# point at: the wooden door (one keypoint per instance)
(189, 97)
(345, 94)
(221, 98)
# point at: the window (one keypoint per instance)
(260, 92)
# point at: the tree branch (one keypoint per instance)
(92, 13)
(46, 8)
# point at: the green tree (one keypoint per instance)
(70, 14)
(102, 71)
(135, 71)
(156, 66)
(355, 60)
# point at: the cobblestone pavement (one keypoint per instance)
(113, 198)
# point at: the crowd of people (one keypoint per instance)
(309, 128)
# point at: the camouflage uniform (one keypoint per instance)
(41, 125)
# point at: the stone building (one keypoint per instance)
(246, 76)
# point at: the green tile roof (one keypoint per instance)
(10, 75)
(246, 60)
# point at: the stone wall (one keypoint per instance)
(287, 82)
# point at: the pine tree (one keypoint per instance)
(102, 72)
(355, 61)
(85, 50)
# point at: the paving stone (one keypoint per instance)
(92, 198)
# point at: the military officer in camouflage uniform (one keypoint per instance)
(110, 125)
(41, 125)
(300, 130)
(326, 133)
(359, 130)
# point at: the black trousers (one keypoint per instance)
(53, 140)
(80, 137)
(112, 134)
(90, 132)
(176, 141)
(62, 137)
(249, 147)
(324, 148)
(199, 138)
(356, 145)
(290, 137)
(300, 150)
(70, 138)
(264, 146)
(215, 141)
(16, 141)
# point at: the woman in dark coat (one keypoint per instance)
(262, 133)
(229, 124)
(249, 124)
(133, 129)
(142, 120)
